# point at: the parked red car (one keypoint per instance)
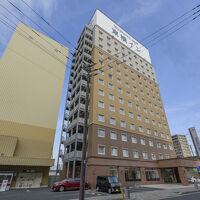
(68, 184)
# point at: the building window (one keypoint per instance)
(170, 147)
(128, 94)
(101, 149)
(153, 156)
(111, 96)
(152, 174)
(119, 90)
(101, 72)
(119, 80)
(127, 85)
(101, 104)
(101, 62)
(135, 154)
(110, 67)
(121, 111)
(167, 156)
(118, 72)
(167, 136)
(142, 140)
(140, 129)
(101, 118)
(110, 76)
(148, 131)
(101, 82)
(133, 139)
(146, 120)
(132, 174)
(100, 54)
(130, 114)
(139, 117)
(101, 92)
(137, 107)
(124, 137)
(145, 110)
(136, 98)
(132, 126)
(156, 133)
(129, 104)
(112, 121)
(150, 143)
(143, 101)
(158, 145)
(101, 133)
(110, 85)
(112, 108)
(114, 151)
(120, 100)
(162, 135)
(125, 152)
(135, 89)
(113, 135)
(144, 155)
(122, 124)
(164, 146)
(153, 122)
(160, 156)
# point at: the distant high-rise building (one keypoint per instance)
(195, 139)
(181, 146)
(32, 73)
(129, 136)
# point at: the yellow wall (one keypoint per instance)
(31, 83)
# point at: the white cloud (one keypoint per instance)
(145, 8)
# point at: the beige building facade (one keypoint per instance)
(129, 136)
(31, 81)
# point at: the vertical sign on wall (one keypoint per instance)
(195, 139)
(3, 185)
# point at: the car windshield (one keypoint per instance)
(112, 179)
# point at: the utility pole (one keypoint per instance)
(85, 133)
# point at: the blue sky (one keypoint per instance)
(176, 59)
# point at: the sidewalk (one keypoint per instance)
(167, 191)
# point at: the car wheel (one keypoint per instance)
(61, 188)
(98, 189)
(109, 191)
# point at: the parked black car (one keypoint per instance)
(108, 184)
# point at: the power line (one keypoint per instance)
(172, 27)
(121, 62)
(174, 31)
(163, 27)
(44, 21)
(19, 33)
(33, 22)
(49, 24)
(35, 34)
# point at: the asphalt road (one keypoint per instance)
(193, 196)
(47, 194)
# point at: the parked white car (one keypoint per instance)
(193, 179)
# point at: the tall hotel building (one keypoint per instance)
(129, 135)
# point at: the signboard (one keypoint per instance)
(198, 168)
(195, 139)
(117, 32)
(3, 185)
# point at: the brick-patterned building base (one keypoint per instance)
(101, 167)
